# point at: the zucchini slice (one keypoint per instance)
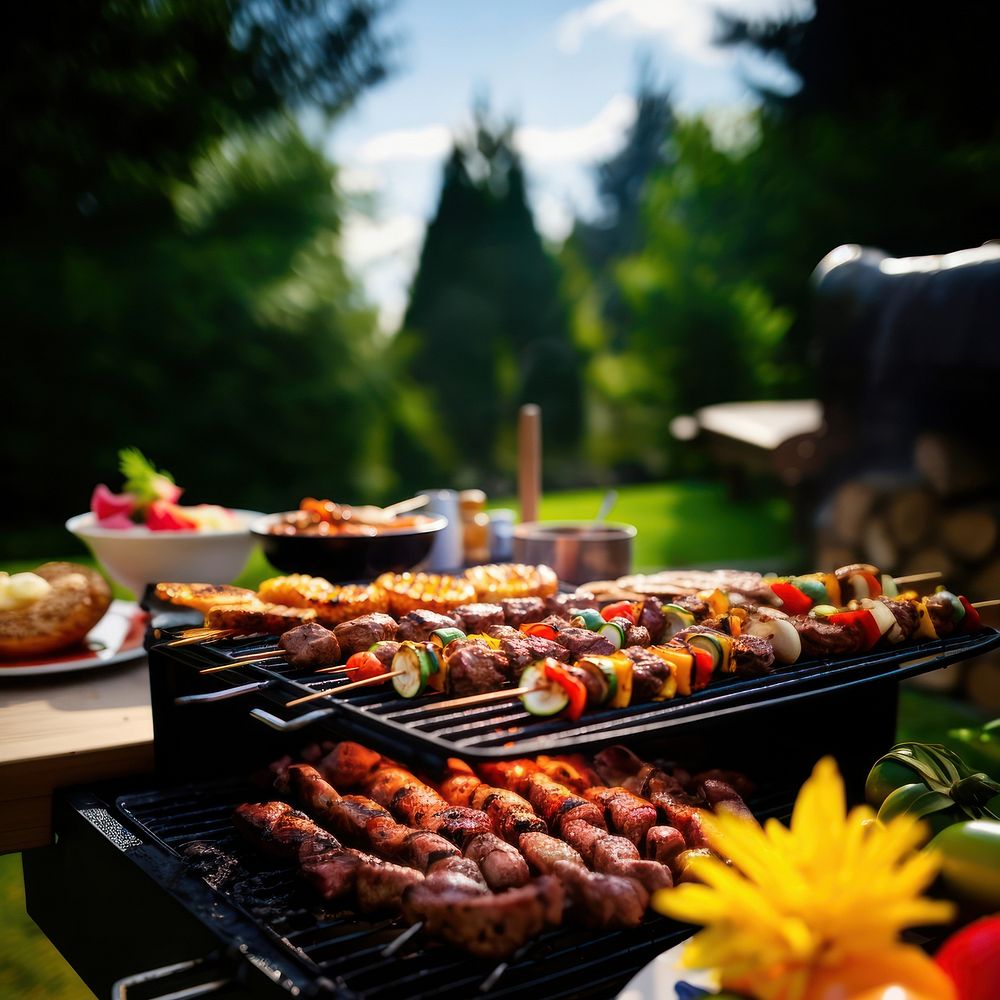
(414, 662)
(678, 619)
(614, 632)
(546, 698)
(717, 646)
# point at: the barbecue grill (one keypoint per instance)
(153, 877)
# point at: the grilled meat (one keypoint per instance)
(652, 618)
(385, 650)
(602, 900)
(310, 645)
(821, 639)
(753, 655)
(649, 674)
(907, 618)
(357, 635)
(582, 642)
(521, 650)
(475, 618)
(332, 604)
(512, 816)
(418, 625)
(566, 605)
(518, 610)
(501, 863)
(489, 926)
(722, 797)
(542, 852)
(473, 668)
(663, 844)
(625, 812)
(637, 635)
(572, 770)
(942, 614)
(272, 619)
(203, 596)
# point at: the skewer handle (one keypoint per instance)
(529, 460)
(377, 679)
(918, 577)
(483, 699)
(987, 604)
(219, 633)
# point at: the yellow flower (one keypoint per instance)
(826, 896)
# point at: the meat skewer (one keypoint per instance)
(350, 765)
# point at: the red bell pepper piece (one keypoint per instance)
(703, 664)
(365, 665)
(575, 689)
(972, 623)
(540, 630)
(860, 621)
(874, 585)
(163, 516)
(620, 609)
(793, 601)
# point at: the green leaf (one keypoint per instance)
(141, 476)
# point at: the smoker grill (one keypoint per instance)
(123, 889)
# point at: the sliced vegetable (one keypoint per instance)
(813, 588)
(616, 632)
(889, 588)
(832, 585)
(620, 609)
(604, 678)
(588, 618)
(105, 504)
(957, 608)
(861, 621)
(417, 665)
(704, 665)
(885, 620)
(442, 636)
(678, 619)
(823, 611)
(792, 599)
(605, 665)
(717, 645)
(717, 601)
(365, 665)
(545, 697)
(164, 516)
(623, 667)
(576, 691)
(784, 639)
(681, 663)
(973, 623)
(490, 640)
(539, 630)
(925, 626)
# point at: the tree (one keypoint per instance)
(171, 266)
(486, 328)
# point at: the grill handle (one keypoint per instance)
(119, 990)
(290, 725)
(223, 694)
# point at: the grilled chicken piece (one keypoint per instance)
(491, 926)
(310, 645)
(202, 596)
(332, 604)
(542, 852)
(602, 900)
(273, 619)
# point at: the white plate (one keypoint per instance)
(659, 979)
(117, 637)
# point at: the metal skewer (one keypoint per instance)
(393, 946)
(378, 678)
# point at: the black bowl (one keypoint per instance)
(345, 558)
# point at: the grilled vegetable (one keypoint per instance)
(622, 667)
(588, 618)
(616, 632)
(576, 692)
(678, 619)
(442, 636)
(604, 675)
(862, 621)
(793, 600)
(539, 630)
(364, 665)
(620, 609)
(547, 697)
(784, 639)
(681, 663)
(717, 645)
(418, 665)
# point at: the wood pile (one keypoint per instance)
(945, 516)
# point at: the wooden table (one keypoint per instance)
(67, 729)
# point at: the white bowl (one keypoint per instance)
(135, 557)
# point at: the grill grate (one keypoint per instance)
(500, 730)
(566, 962)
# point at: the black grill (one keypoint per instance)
(348, 952)
(499, 730)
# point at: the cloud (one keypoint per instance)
(369, 240)
(428, 143)
(688, 25)
(593, 140)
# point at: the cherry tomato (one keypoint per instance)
(365, 665)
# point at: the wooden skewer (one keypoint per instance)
(219, 633)
(486, 697)
(334, 670)
(232, 665)
(987, 604)
(394, 946)
(159, 633)
(918, 577)
(250, 657)
(343, 687)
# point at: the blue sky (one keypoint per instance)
(564, 69)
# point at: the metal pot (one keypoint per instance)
(577, 550)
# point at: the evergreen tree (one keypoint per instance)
(486, 329)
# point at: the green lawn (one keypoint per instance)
(679, 524)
